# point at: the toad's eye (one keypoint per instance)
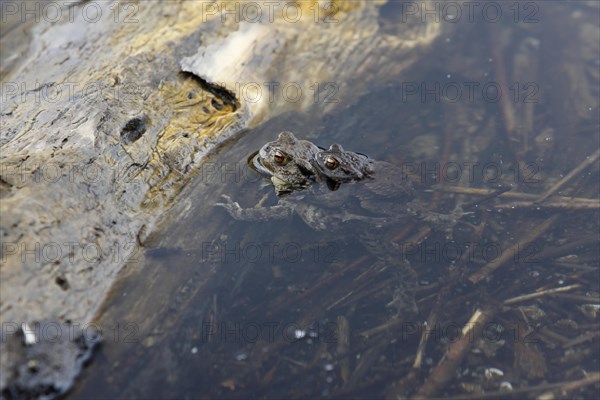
(331, 163)
(279, 157)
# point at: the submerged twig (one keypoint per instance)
(548, 206)
(549, 387)
(382, 328)
(578, 298)
(577, 170)
(567, 248)
(213, 316)
(568, 386)
(343, 346)
(506, 107)
(581, 339)
(444, 157)
(507, 255)
(509, 195)
(432, 320)
(490, 196)
(319, 285)
(446, 368)
(542, 293)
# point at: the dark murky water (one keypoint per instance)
(214, 307)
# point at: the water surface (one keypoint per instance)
(214, 307)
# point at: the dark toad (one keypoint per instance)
(387, 189)
(288, 162)
(352, 190)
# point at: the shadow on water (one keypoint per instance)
(213, 307)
